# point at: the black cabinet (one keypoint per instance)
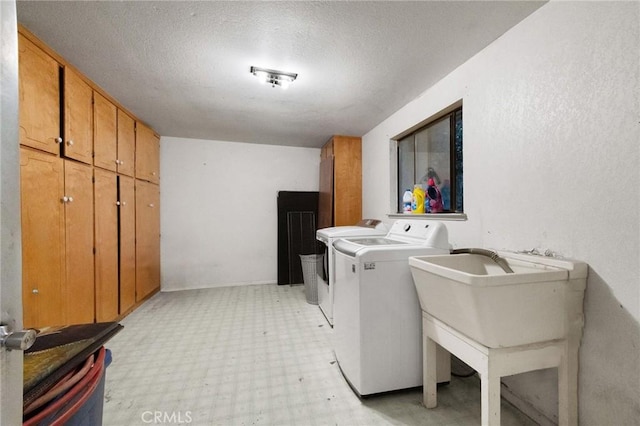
(297, 224)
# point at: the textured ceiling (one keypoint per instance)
(183, 67)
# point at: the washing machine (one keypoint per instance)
(325, 266)
(378, 322)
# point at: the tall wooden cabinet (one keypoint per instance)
(147, 211)
(340, 198)
(79, 192)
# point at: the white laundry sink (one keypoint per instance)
(540, 301)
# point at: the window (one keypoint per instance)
(433, 152)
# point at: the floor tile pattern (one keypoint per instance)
(254, 355)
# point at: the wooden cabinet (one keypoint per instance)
(106, 238)
(126, 144)
(147, 238)
(78, 196)
(105, 133)
(40, 108)
(114, 137)
(43, 239)
(80, 292)
(57, 240)
(147, 154)
(39, 98)
(340, 198)
(78, 118)
(127, 224)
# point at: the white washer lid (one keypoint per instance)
(351, 231)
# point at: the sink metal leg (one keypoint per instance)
(429, 371)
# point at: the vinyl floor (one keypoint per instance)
(255, 355)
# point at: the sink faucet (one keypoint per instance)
(489, 253)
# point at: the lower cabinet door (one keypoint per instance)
(42, 217)
(127, 223)
(106, 236)
(147, 238)
(80, 292)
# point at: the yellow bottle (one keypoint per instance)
(417, 204)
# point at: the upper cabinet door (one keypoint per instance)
(105, 118)
(325, 196)
(147, 154)
(39, 98)
(126, 144)
(78, 118)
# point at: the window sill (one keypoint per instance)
(429, 216)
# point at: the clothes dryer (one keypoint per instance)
(325, 266)
(378, 321)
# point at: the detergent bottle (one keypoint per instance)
(417, 203)
(407, 198)
(433, 197)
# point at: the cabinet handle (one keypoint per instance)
(153, 173)
(35, 291)
(58, 140)
(151, 205)
(16, 340)
(117, 203)
(69, 142)
(121, 162)
(65, 199)
(124, 203)
(70, 199)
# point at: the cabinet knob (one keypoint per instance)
(58, 140)
(35, 291)
(117, 203)
(70, 199)
(124, 203)
(151, 205)
(121, 162)
(69, 142)
(153, 173)
(65, 199)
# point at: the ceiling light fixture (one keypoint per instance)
(274, 77)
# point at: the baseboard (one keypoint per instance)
(201, 287)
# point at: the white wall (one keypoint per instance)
(219, 211)
(551, 158)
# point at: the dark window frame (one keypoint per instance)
(456, 204)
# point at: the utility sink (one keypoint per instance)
(540, 301)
